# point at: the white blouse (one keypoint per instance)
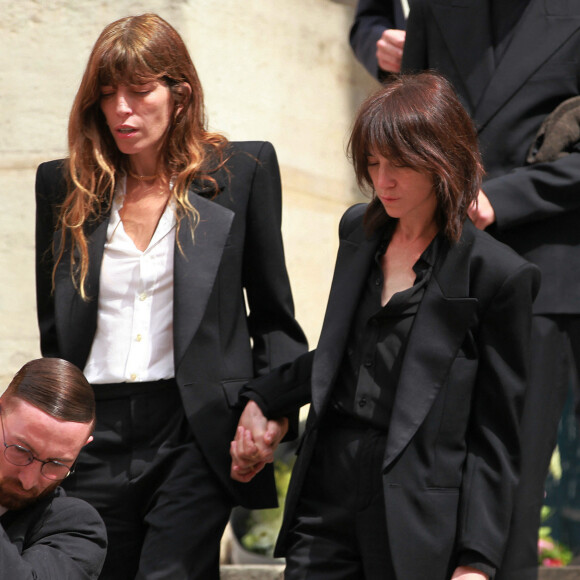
(134, 337)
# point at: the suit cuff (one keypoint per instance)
(246, 395)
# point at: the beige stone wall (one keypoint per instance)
(279, 70)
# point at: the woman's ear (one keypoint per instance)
(182, 94)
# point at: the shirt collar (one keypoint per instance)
(427, 259)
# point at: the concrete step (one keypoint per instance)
(275, 572)
(251, 572)
(564, 573)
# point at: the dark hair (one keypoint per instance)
(417, 121)
(56, 387)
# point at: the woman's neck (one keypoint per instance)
(144, 168)
(143, 206)
(410, 232)
(138, 188)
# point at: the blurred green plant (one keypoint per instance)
(550, 552)
(263, 525)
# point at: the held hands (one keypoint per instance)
(481, 212)
(390, 50)
(467, 573)
(255, 442)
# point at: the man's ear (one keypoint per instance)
(182, 94)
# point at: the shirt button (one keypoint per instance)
(133, 376)
(362, 402)
(368, 363)
(138, 338)
(378, 282)
(142, 296)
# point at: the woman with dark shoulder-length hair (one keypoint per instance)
(408, 464)
(149, 238)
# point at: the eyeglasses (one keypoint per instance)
(18, 455)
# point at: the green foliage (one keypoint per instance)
(263, 525)
(551, 552)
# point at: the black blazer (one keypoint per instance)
(237, 248)
(371, 19)
(450, 466)
(537, 207)
(57, 537)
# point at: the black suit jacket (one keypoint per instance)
(57, 538)
(371, 19)
(450, 464)
(537, 207)
(237, 249)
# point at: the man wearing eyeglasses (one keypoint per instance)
(47, 415)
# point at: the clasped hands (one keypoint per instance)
(255, 441)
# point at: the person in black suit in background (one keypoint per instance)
(150, 238)
(377, 35)
(47, 414)
(513, 62)
(409, 461)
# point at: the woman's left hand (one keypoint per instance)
(468, 573)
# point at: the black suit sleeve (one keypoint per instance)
(491, 469)
(65, 541)
(284, 390)
(50, 190)
(372, 18)
(277, 337)
(535, 192)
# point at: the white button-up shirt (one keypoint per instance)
(134, 338)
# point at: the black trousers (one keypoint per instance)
(340, 531)
(164, 510)
(555, 355)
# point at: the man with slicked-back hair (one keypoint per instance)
(47, 415)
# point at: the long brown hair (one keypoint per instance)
(132, 50)
(417, 121)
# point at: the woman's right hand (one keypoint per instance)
(255, 441)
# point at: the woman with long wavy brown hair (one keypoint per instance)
(150, 238)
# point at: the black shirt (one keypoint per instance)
(367, 381)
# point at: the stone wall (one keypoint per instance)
(277, 70)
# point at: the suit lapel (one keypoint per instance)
(466, 28)
(352, 267)
(440, 326)
(544, 27)
(196, 265)
(76, 319)
(195, 270)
